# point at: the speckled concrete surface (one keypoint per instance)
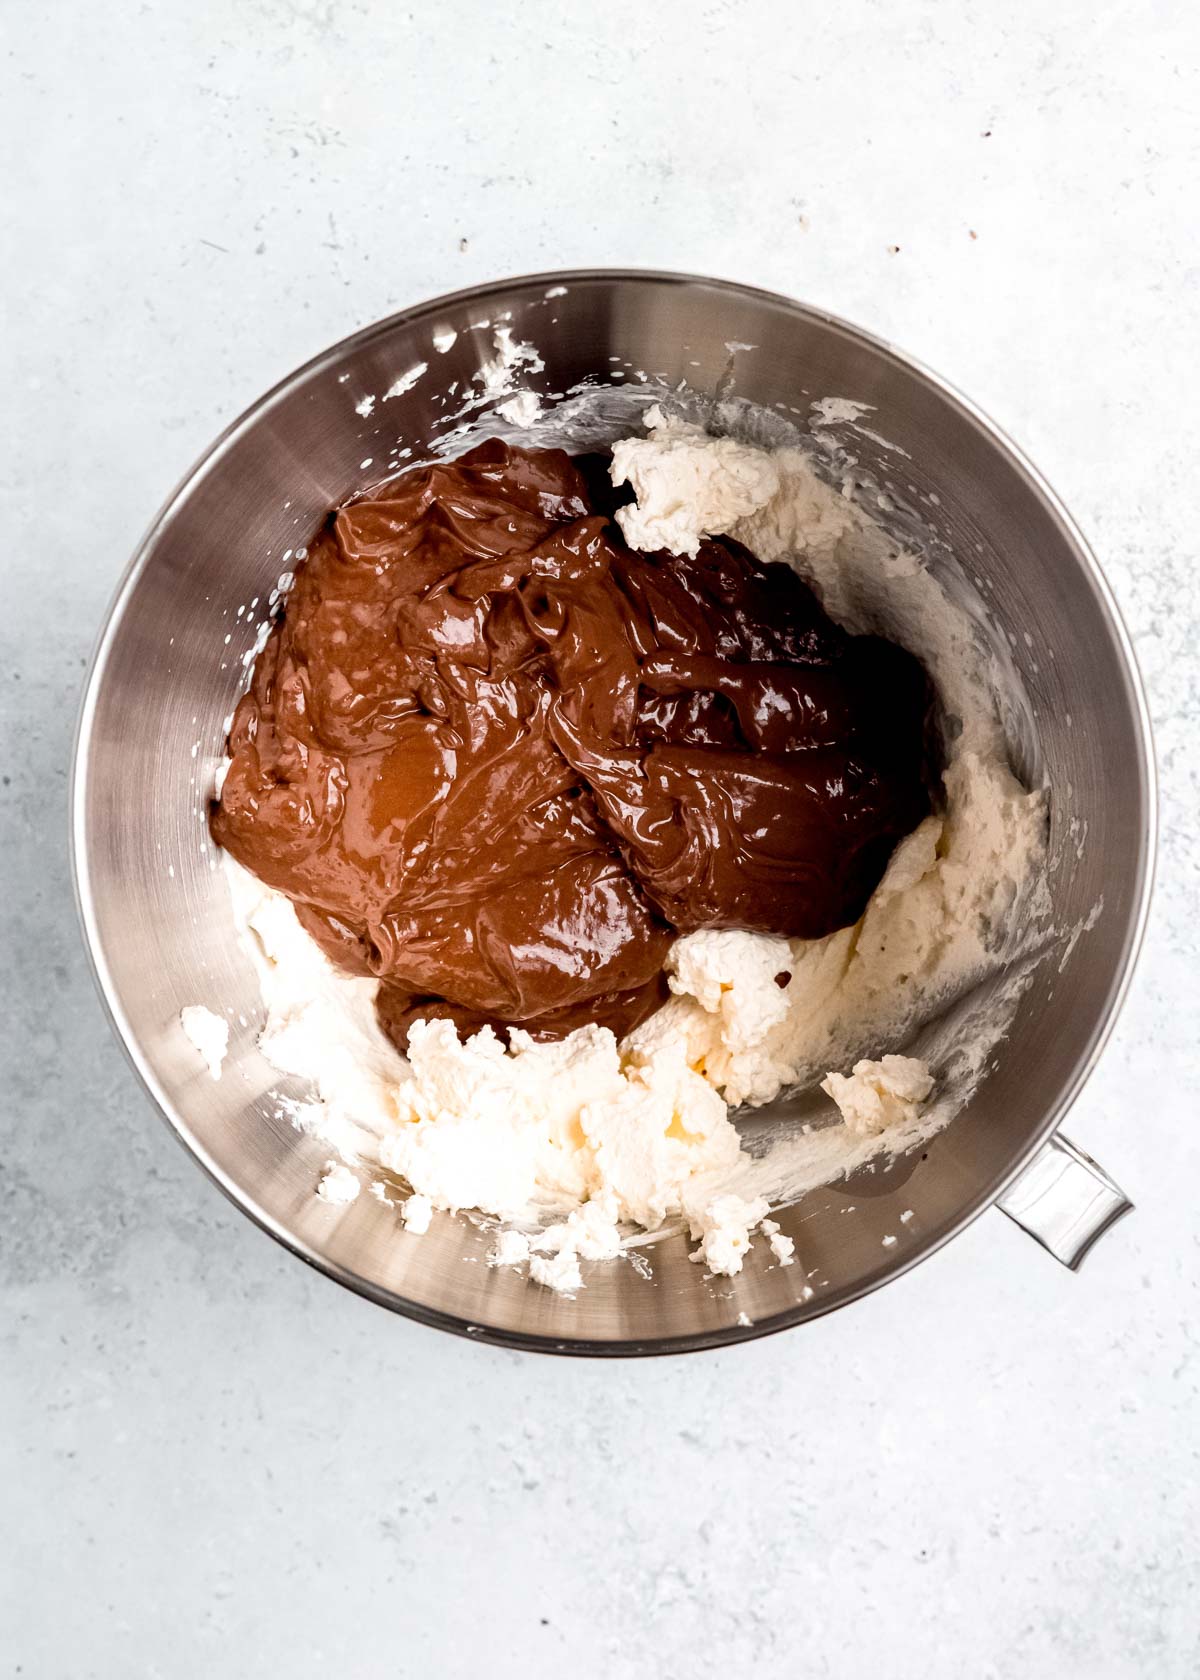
(215, 1462)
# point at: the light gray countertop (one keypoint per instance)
(213, 1461)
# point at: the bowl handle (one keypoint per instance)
(1064, 1200)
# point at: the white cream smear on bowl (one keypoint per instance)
(579, 1146)
(208, 1034)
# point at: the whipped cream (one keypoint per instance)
(207, 1033)
(876, 1095)
(688, 485)
(522, 409)
(338, 1185)
(782, 1247)
(725, 1229)
(417, 1214)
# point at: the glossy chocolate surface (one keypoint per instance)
(499, 760)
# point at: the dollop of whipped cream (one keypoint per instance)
(688, 484)
(876, 1095)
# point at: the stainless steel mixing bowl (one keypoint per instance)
(169, 666)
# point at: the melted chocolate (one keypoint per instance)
(498, 759)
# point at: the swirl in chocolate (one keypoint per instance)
(498, 759)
